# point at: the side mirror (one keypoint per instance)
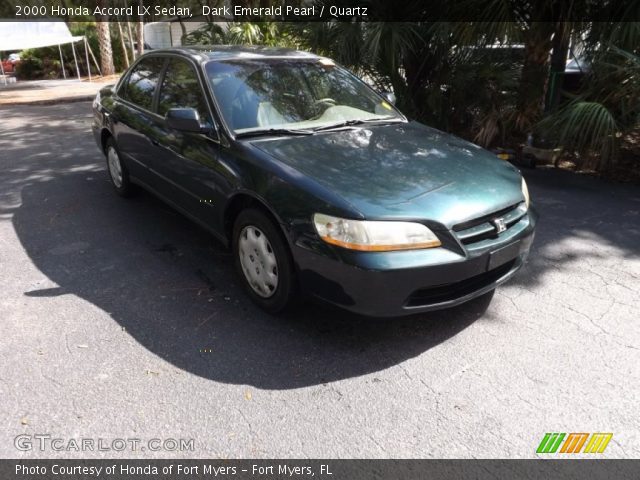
(184, 120)
(389, 97)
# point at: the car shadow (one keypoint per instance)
(173, 288)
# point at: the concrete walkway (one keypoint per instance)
(52, 91)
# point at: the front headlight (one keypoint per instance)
(373, 236)
(525, 192)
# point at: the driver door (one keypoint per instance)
(187, 164)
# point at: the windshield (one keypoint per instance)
(263, 94)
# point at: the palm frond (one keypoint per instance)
(584, 126)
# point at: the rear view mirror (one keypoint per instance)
(389, 97)
(184, 120)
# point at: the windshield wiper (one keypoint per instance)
(275, 131)
(357, 121)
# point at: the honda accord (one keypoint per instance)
(317, 183)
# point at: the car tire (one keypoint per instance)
(117, 170)
(263, 261)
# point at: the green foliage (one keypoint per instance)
(584, 126)
(483, 95)
(246, 33)
(209, 34)
(606, 109)
(29, 67)
(44, 63)
(242, 33)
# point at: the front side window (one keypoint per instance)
(260, 94)
(181, 89)
(142, 81)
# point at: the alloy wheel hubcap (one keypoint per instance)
(258, 261)
(115, 168)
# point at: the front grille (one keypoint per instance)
(453, 291)
(481, 228)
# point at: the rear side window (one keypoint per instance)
(181, 89)
(142, 82)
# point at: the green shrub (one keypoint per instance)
(30, 67)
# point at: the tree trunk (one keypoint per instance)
(140, 33)
(124, 47)
(129, 34)
(535, 72)
(184, 31)
(104, 40)
(558, 64)
(131, 42)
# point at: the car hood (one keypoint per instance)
(403, 171)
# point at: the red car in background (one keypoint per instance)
(9, 65)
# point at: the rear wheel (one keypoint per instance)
(263, 261)
(118, 172)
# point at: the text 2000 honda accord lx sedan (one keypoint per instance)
(318, 184)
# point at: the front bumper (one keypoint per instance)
(388, 284)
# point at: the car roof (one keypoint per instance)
(204, 53)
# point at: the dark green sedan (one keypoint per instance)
(318, 184)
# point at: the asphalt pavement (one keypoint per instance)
(120, 319)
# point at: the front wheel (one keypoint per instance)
(263, 261)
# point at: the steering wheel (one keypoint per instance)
(328, 100)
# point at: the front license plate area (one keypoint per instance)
(503, 255)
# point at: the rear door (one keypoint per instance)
(135, 123)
